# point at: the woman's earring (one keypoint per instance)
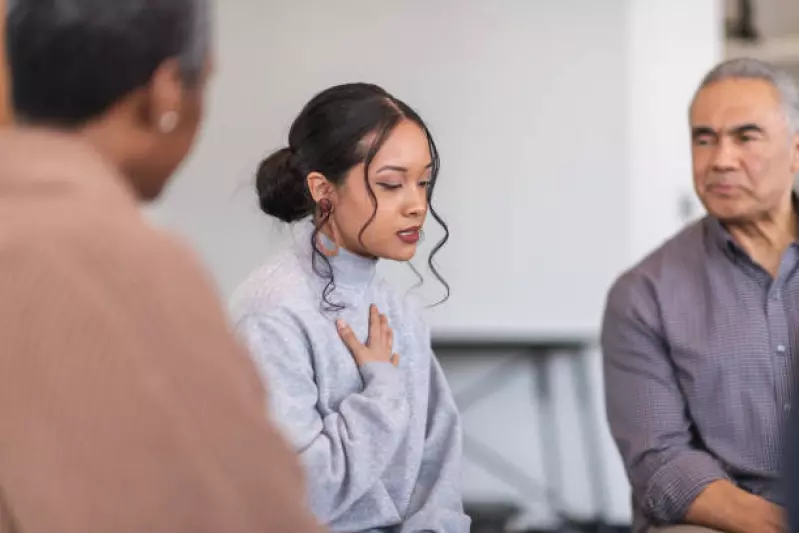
(325, 209)
(168, 122)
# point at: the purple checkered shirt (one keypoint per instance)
(698, 343)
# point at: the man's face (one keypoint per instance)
(744, 153)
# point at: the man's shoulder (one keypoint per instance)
(686, 246)
(670, 264)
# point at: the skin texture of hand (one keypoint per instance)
(725, 507)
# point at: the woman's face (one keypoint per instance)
(399, 176)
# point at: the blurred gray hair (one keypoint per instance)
(754, 69)
(71, 60)
(197, 15)
(197, 47)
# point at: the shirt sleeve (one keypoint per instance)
(436, 504)
(646, 409)
(345, 452)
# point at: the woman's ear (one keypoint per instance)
(165, 96)
(320, 187)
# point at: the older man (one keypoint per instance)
(700, 337)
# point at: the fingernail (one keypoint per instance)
(340, 324)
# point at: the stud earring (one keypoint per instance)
(168, 122)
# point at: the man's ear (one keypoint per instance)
(320, 187)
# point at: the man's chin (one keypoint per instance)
(728, 210)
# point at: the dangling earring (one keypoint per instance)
(168, 122)
(325, 209)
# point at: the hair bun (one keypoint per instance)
(282, 189)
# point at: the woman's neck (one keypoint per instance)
(349, 268)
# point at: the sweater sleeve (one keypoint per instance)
(344, 452)
(437, 502)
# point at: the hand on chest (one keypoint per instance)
(336, 372)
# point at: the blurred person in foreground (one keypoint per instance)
(126, 406)
(700, 338)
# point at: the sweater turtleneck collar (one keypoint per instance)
(350, 270)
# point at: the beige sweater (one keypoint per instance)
(125, 403)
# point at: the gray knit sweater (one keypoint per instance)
(381, 445)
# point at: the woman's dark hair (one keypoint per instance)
(72, 61)
(328, 137)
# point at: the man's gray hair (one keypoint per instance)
(754, 69)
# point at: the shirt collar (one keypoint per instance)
(724, 240)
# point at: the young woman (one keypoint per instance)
(352, 378)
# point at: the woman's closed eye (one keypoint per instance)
(389, 186)
(394, 185)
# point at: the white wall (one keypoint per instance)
(557, 140)
(671, 46)
(522, 132)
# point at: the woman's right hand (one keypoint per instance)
(379, 344)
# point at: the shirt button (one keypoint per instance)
(781, 348)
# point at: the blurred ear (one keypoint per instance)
(6, 113)
(164, 98)
(320, 187)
